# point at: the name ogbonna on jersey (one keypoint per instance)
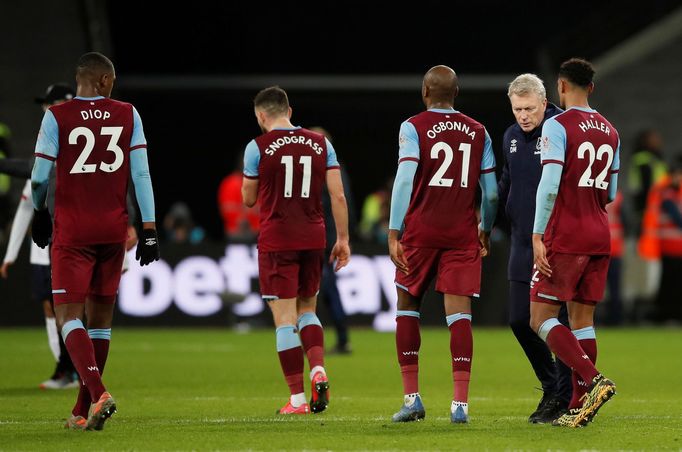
(450, 125)
(296, 139)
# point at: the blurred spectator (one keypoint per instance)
(5, 202)
(662, 239)
(179, 226)
(613, 314)
(376, 211)
(646, 168)
(240, 223)
(328, 289)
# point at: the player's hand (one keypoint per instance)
(41, 228)
(484, 238)
(341, 254)
(148, 248)
(4, 268)
(395, 249)
(540, 256)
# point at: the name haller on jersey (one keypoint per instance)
(450, 125)
(596, 125)
(279, 142)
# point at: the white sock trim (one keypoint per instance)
(297, 399)
(315, 370)
(410, 398)
(455, 404)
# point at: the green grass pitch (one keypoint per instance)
(210, 389)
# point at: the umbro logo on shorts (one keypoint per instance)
(150, 241)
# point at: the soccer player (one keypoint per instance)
(97, 144)
(517, 187)
(285, 170)
(571, 242)
(442, 154)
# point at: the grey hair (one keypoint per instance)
(526, 84)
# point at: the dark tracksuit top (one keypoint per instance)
(522, 166)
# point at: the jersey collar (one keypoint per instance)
(443, 110)
(89, 98)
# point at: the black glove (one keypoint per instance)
(41, 228)
(148, 247)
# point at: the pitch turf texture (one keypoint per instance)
(188, 389)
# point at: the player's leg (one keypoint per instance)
(410, 290)
(537, 352)
(278, 276)
(459, 279)
(591, 288)
(72, 270)
(458, 317)
(99, 312)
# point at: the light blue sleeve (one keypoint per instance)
(408, 142)
(488, 160)
(615, 167)
(402, 193)
(489, 200)
(47, 150)
(553, 142)
(332, 161)
(546, 195)
(40, 177)
(251, 159)
(137, 139)
(142, 180)
(48, 137)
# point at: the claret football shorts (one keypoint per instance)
(575, 277)
(82, 271)
(288, 274)
(457, 272)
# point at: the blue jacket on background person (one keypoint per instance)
(522, 165)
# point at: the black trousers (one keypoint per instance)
(330, 295)
(554, 375)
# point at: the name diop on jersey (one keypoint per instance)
(95, 114)
(296, 139)
(450, 125)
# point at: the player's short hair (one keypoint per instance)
(526, 84)
(578, 71)
(273, 100)
(94, 63)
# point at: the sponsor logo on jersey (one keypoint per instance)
(544, 145)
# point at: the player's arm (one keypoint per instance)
(250, 180)
(408, 160)
(341, 250)
(46, 152)
(22, 219)
(615, 168)
(489, 198)
(148, 248)
(504, 184)
(553, 155)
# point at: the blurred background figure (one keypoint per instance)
(376, 210)
(328, 289)
(179, 227)
(647, 167)
(661, 239)
(64, 375)
(240, 223)
(612, 311)
(5, 204)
